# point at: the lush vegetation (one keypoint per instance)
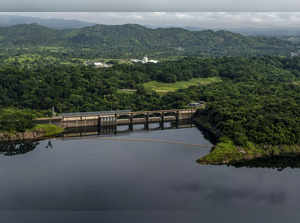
(12, 120)
(16, 122)
(261, 113)
(85, 88)
(250, 101)
(226, 152)
(252, 97)
(257, 101)
(127, 41)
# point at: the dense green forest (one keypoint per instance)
(258, 99)
(85, 88)
(124, 41)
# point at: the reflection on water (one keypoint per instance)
(16, 148)
(140, 177)
(124, 129)
(276, 162)
(20, 147)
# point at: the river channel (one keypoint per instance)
(143, 176)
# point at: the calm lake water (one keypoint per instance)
(140, 177)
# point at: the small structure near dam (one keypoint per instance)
(112, 119)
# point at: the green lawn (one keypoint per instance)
(162, 88)
(126, 91)
(48, 129)
(296, 83)
(30, 58)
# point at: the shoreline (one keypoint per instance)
(39, 132)
(225, 152)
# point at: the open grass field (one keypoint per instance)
(126, 91)
(48, 129)
(296, 83)
(163, 88)
(26, 59)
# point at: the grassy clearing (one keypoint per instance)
(30, 58)
(223, 153)
(297, 83)
(163, 88)
(48, 129)
(106, 60)
(126, 91)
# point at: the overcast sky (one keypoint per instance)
(150, 5)
(205, 20)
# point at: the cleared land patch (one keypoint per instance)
(163, 88)
(126, 91)
(296, 83)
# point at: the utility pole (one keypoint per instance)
(53, 111)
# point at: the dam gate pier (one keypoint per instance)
(110, 120)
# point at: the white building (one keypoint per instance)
(153, 61)
(100, 64)
(135, 60)
(144, 60)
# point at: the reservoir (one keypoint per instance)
(142, 176)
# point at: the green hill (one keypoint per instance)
(135, 40)
(10, 20)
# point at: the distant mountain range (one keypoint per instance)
(270, 32)
(10, 20)
(136, 40)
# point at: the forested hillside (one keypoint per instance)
(255, 99)
(84, 88)
(134, 41)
